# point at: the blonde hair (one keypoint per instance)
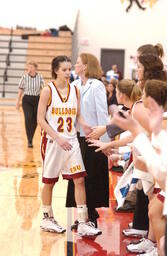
(130, 89)
(33, 63)
(93, 69)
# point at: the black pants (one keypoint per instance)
(96, 183)
(140, 219)
(30, 106)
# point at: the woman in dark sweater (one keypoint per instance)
(111, 93)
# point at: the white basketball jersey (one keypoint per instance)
(61, 113)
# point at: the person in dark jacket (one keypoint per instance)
(111, 93)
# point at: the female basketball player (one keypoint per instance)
(58, 113)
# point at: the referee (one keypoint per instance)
(30, 86)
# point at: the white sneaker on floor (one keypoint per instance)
(87, 229)
(152, 252)
(132, 232)
(141, 246)
(51, 225)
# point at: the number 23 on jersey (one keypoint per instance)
(64, 122)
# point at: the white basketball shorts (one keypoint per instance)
(56, 161)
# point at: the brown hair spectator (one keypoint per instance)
(114, 82)
(157, 89)
(151, 49)
(153, 67)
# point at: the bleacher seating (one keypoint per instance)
(41, 49)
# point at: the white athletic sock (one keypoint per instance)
(47, 211)
(82, 211)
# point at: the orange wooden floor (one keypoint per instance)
(20, 205)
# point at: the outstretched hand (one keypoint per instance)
(123, 122)
(101, 146)
(155, 115)
(96, 132)
(127, 123)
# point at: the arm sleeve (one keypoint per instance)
(22, 83)
(101, 107)
(41, 82)
(113, 130)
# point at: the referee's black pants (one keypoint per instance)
(30, 106)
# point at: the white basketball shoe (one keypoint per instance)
(87, 229)
(51, 225)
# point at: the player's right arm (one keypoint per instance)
(42, 107)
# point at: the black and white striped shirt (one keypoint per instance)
(31, 85)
